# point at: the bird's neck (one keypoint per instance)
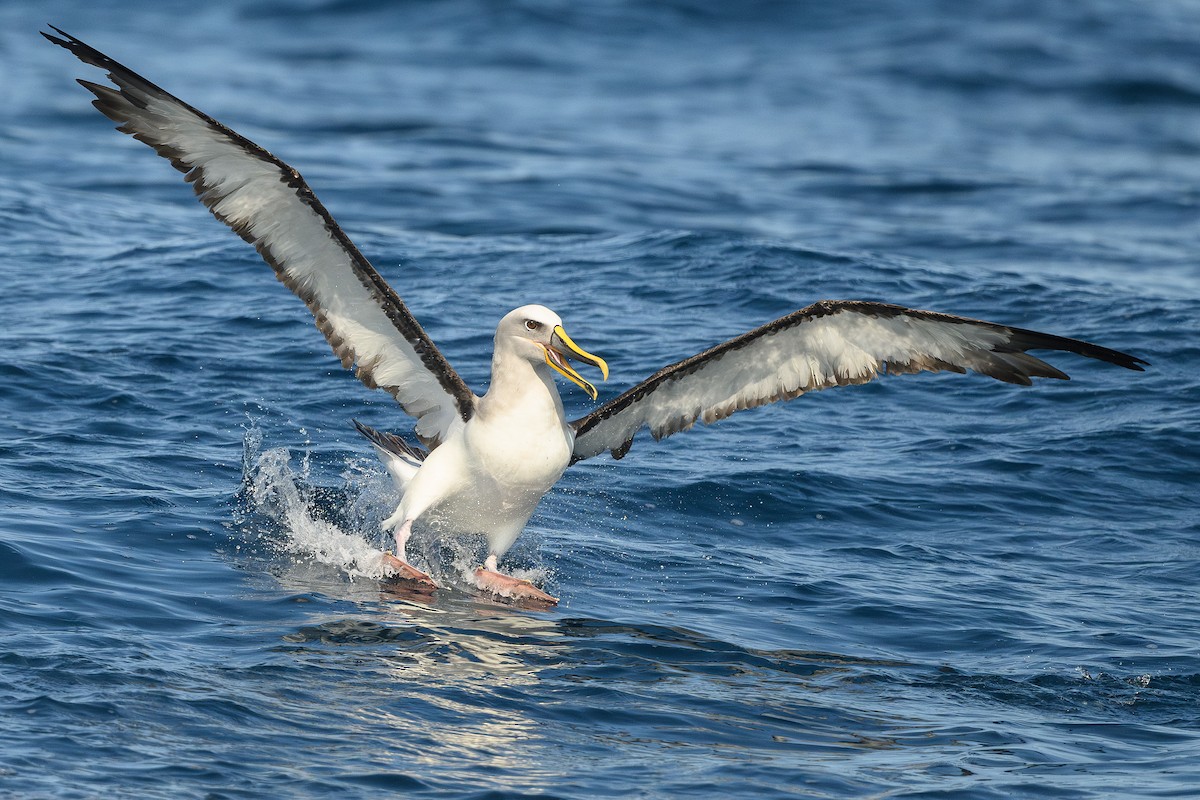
(520, 387)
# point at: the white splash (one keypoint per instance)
(290, 498)
(285, 496)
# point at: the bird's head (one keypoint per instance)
(536, 334)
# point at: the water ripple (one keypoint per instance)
(924, 586)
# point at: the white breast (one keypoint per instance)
(522, 446)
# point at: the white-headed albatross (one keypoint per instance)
(491, 459)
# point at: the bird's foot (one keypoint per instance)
(403, 571)
(512, 588)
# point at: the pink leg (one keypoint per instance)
(402, 534)
(403, 570)
(489, 580)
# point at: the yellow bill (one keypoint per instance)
(561, 348)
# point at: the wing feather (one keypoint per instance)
(827, 344)
(270, 206)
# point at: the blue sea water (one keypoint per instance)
(928, 586)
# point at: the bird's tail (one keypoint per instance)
(401, 458)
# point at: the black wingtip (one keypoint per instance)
(81, 49)
(84, 52)
(54, 39)
(1024, 339)
(66, 41)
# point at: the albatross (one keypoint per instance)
(486, 462)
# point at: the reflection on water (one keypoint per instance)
(467, 675)
(449, 681)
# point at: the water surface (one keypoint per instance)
(926, 586)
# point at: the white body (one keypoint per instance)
(489, 474)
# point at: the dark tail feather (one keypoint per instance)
(391, 443)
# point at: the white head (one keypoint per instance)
(536, 334)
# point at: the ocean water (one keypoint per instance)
(928, 586)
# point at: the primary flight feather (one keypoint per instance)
(490, 459)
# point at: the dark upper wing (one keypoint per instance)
(830, 343)
(270, 206)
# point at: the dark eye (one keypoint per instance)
(533, 325)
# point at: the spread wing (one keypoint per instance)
(830, 343)
(270, 206)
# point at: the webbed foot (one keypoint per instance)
(511, 588)
(403, 571)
